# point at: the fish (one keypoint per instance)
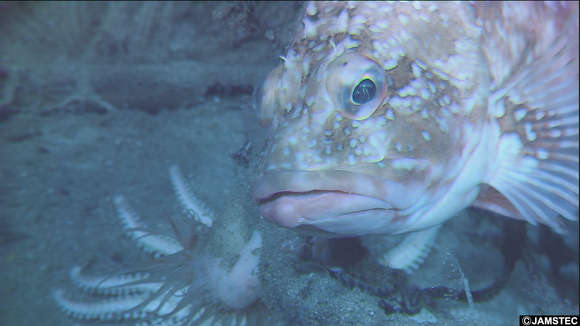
(392, 117)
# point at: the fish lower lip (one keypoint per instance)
(291, 209)
(297, 198)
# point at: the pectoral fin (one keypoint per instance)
(536, 114)
(412, 251)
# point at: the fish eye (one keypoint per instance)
(357, 84)
(364, 92)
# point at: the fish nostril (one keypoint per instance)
(257, 98)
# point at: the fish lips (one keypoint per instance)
(335, 201)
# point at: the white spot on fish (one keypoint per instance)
(272, 166)
(416, 70)
(368, 150)
(542, 154)
(407, 91)
(341, 24)
(352, 159)
(555, 133)
(439, 73)
(320, 47)
(520, 114)
(400, 103)
(359, 19)
(285, 165)
(391, 63)
(355, 30)
(382, 121)
(353, 142)
(432, 87)
(380, 46)
(382, 24)
(425, 94)
(499, 109)
(328, 150)
(374, 28)
(404, 19)
(347, 131)
(530, 134)
(311, 9)
(306, 65)
(404, 163)
(309, 28)
(442, 123)
(423, 16)
(426, 135)
(433, 6)
(454, 108)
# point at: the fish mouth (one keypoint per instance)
(335, 201)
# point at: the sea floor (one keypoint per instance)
(58, 185)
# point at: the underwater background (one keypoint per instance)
(100, 98)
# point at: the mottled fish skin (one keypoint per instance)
(463, 104)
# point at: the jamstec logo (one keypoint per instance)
(528, 320)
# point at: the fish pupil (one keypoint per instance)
(364, 92)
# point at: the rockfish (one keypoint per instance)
(392, 117)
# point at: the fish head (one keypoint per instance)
(358, 137)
